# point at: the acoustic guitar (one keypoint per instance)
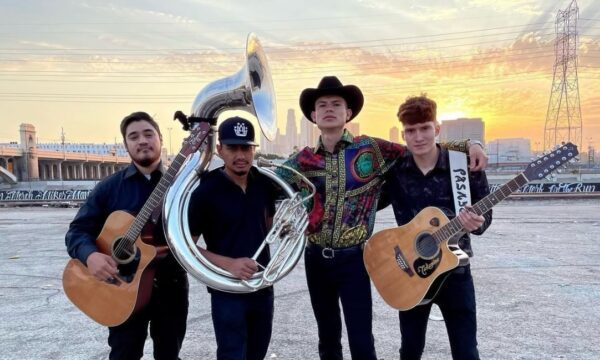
(408, 264)
(127, 239)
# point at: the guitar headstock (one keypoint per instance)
(197, 136)
(546, 164)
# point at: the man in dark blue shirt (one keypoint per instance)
(128, 190)
(233, 208)
(423, 180)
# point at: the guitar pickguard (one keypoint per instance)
(425, 267)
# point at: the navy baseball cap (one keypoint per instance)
(236, 131)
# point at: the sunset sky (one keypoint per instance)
(82, 66)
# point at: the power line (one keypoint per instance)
(172, 61)
(483, 60)
(367, 44)
(481, 81)
(476, 31)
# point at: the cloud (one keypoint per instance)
(523, 7)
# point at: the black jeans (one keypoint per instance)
(456, 300)
(167, 315)
(341, 278)
(243, 324)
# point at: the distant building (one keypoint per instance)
(292, 141)
(511, 150)
(309, 133)
(462, 128)
(395, 134)
(265, 145)
(291, 132)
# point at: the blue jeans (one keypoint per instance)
(166, 314)
(344, 279)
(456, 300)
(243, 324)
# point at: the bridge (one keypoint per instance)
(29, 161)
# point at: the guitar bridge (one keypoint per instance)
(401, 261)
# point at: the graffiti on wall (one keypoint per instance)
(43, 195)
(576, 187)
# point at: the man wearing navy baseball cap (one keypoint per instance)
(233, 209)
(236, 131)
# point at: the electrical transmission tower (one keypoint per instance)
(563, 119)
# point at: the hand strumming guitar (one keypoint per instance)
(102, 266)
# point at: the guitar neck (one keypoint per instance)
(155, 199)
(484, 205)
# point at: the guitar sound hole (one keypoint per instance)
(123, 251)
(426, 245)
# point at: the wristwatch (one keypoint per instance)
(476, 142)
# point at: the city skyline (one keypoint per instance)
(500, 150)
(85, 66)
(307, 134)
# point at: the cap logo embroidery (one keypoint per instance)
(240, 129)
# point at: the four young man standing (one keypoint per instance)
(348, 172)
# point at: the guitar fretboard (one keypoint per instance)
(454, 226)
(154, 200)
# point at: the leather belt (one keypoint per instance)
(330, 253)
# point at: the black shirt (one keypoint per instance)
(127, 190)
(234, 223)
(410, 192)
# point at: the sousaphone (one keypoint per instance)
(251, 90)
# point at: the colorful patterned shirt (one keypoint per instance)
(348, 183)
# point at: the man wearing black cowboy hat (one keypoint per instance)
(348, 173)
(233, 208)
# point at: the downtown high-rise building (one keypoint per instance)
(309, 133)
(292, 140)
(291, 132)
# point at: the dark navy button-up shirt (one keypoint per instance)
(234, 223)
(127, 190)
(410, 191)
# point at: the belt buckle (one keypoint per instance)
(328, 253)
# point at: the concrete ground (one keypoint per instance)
(536, 271)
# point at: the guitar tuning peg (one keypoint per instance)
(559, 171)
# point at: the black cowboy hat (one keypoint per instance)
(331, 85)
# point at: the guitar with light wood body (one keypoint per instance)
(127, 238)
(408, 264)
